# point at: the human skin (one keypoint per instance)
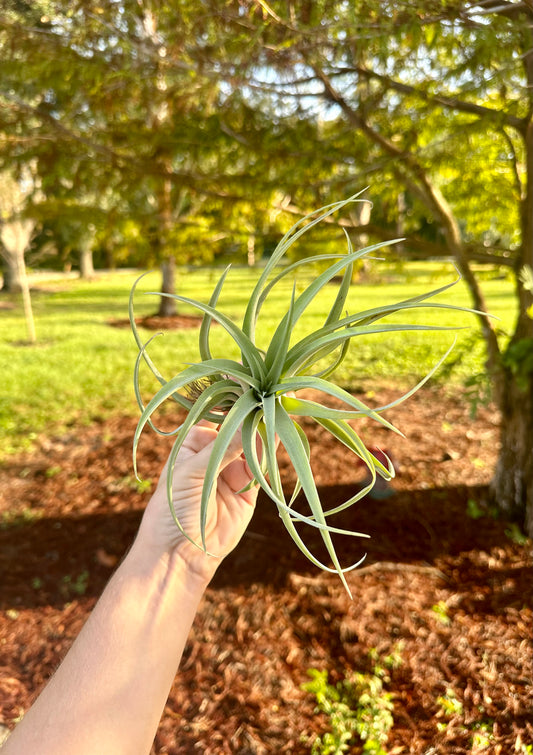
(108, 694)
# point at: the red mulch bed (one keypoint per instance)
(71, 509)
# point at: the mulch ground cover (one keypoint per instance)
(448, 592)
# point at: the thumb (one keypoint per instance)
(233, 451)
(234, 468)
(198, 462)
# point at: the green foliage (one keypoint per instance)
(75, 586)
(358, 708)
(440, 610)
(474, 510)
(449, 704)
(518, 358)
(11, 519)
(120, 123)
(168, 117)
(482, 736)
(451, 709)
(515, 534)
(478, 391)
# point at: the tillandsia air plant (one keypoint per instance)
(259, 392)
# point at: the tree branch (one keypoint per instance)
(520, 188)
(418, 245)
(447, 101)
(59, 127)
(413, 174)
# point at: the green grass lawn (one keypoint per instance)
(81, 367)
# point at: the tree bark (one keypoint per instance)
(512, 485)
(250, 250)
(11, 273)
(86, 263)
(167, 306)
(85, 245)
(15, 236)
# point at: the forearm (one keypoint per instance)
(108, 694)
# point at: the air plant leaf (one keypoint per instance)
(259, 393)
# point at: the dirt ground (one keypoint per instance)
(449, 592)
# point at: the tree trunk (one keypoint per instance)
(167, 306)
(400, 221)
(15, 237)
(512, 484)
(26, 301)
(250, 250)
(363, 210)
(86, 262)
(12, 275)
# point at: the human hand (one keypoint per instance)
(228, 514)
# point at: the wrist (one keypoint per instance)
(183, 567)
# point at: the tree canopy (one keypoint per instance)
(183, 124)
(156, 109)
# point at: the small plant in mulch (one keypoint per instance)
(259, 393)
(359, 710)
